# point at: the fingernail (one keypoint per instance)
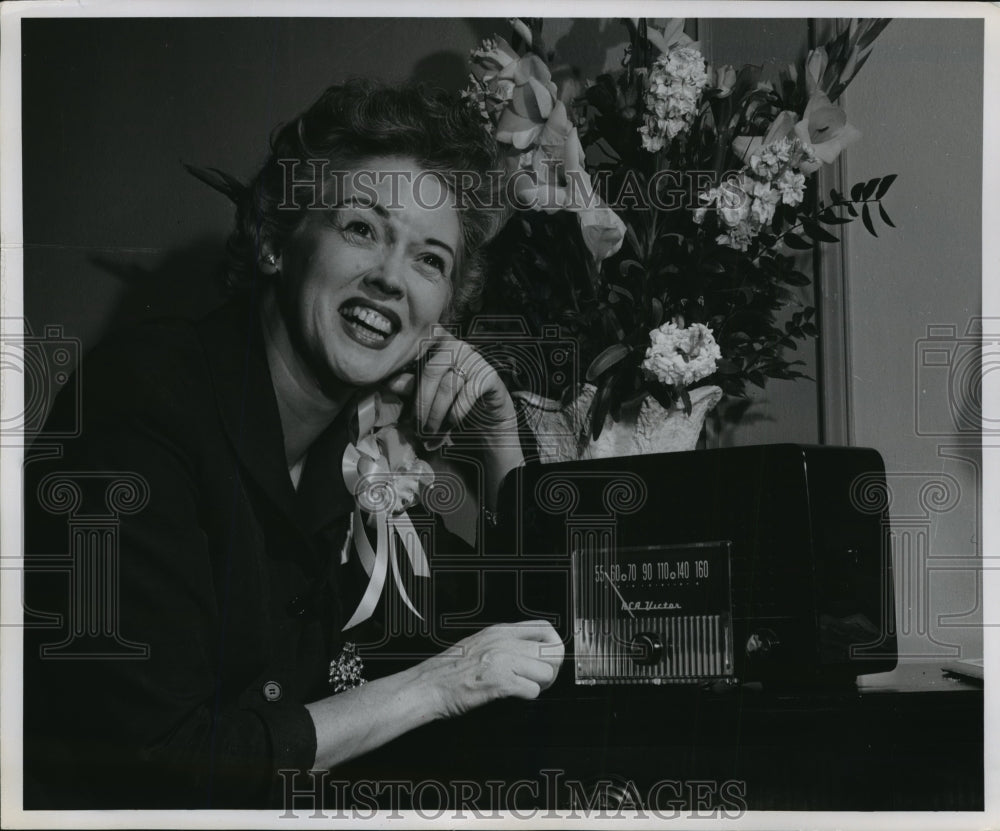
(437, 442)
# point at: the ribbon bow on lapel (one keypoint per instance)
(384, 487)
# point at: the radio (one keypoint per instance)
(737, 564)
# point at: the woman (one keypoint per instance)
(202, 668)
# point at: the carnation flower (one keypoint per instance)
(679, 356)
(791, 185)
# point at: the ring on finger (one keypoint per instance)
(461, 373)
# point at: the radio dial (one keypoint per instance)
(647, 649)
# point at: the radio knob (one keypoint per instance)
(647, 649)
(761, 643)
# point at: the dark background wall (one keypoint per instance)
(115, 229)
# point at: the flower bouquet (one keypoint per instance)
(668, 206)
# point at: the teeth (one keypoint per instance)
(370, 318)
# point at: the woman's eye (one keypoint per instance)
(435, 262)
(360, 229)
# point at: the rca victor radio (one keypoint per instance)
(729, 565)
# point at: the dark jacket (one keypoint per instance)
(201, 597)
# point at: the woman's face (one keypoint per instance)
(363, 283)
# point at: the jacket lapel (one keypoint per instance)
(323, 497)
(245, 397)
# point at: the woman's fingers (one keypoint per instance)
(507, 660)
(524, 688)
(402, 384)
(456, 381)
(447, 390)
(538, 672)
(432, 373)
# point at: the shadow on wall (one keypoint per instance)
(186, 283)
(188, 280)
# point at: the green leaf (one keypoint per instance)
(607, 359)
(875, 29)
(885, 216)
(817, 232)
(857, 191)
(883, 188)
(726, 367)
(601, 407)
(686, 398)
(613, 323)
(624, 292)
(655, 313)
(628, 265)
(796, 278)
(757, 379)
(634, 402)
(866, 218)
(633, 240)
(829, 217)
(795, 241)
(870, 188)
(852, 210)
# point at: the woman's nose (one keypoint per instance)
(387, 276)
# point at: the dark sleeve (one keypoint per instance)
(133, 709)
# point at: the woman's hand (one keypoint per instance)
(516, 660)
(456, 388)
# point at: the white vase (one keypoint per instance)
(650, 428)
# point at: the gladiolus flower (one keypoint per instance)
(545, 161)
(667, 36)
(722, 80)
(815, 67)
(824, 131)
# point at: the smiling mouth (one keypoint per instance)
(368, 325)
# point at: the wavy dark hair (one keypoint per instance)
(359, 120)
